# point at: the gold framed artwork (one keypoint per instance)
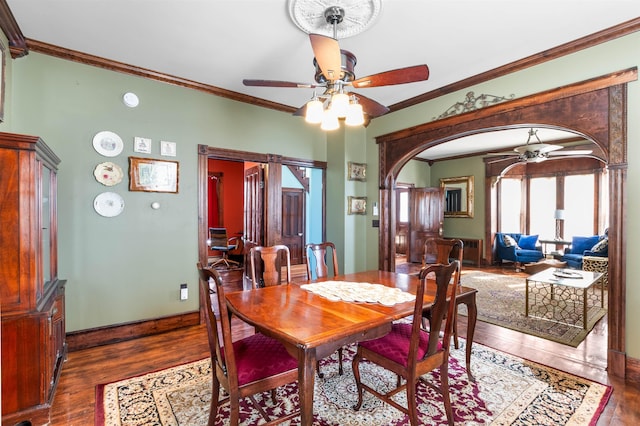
(149, 175)
(357, 171)
(357, 205)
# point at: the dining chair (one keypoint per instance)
(267, 263)
(317, 254)
(219, 241)
(246, 367)
(411, 352)
(443, 251)
(317, 267)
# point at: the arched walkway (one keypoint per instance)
(594, 108)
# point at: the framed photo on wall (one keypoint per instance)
(357, 205)
(168, 149)
(149, 175)
(357, 171)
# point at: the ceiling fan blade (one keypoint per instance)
(370, 107)
(326, 50)
(501, 154)
(574, 152)
(276, 83)
(398, 76)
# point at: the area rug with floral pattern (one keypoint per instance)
(501, 301)
(507, 391)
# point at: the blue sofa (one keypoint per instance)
(595, 245)
(525, 250)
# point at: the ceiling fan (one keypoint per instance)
(537, 152)
(334, 72)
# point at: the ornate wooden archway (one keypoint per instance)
(595, 108)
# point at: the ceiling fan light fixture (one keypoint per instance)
(355, 114)
(339, 104)
(533, 156)
(314, 111)
(329, 120)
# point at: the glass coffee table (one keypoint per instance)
(563, 295)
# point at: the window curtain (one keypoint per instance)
(213, 201)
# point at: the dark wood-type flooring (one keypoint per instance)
(75, 397)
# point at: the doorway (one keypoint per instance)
(275, 199)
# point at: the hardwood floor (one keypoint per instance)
(75, 397)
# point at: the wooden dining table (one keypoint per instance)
(313, 327)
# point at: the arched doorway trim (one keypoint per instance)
(595, 108)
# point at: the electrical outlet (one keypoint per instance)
(184, 292)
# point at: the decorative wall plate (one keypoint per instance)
(108, 204)
(108, 173)
(107, 143)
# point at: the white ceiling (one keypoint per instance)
(219, 42)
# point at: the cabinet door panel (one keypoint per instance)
(427, 217)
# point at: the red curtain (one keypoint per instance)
(213, 218)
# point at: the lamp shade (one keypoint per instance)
(558, 214)
(329, 120)
(314, 111)
(355, 116)
(339, 104)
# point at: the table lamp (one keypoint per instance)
(559, 216)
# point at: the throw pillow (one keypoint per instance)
(601, 247)
(580, 244)
(528, 242)
(509, 241)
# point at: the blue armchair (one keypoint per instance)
(596, 245)
(517, 248)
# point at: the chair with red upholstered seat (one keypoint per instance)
(411, 352)
(246, 367)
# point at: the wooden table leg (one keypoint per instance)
(306, 378)
(472, 316)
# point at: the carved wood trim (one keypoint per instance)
(530, 61)
(100, 336)
(96, 61)
(595, 108)
(633, 370)
(8, 24)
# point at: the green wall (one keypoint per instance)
(129, 267)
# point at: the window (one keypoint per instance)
(585, 202)
(403, 204)
(578, 205)
(542, 207)
(510, 205)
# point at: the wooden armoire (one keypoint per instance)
(31, 295)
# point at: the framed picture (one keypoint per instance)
(357, 171)
(150, 175)
(142, 145)
(357, 205)
(168, 149)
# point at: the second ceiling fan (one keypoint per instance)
(537, 152)
(334, 72)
